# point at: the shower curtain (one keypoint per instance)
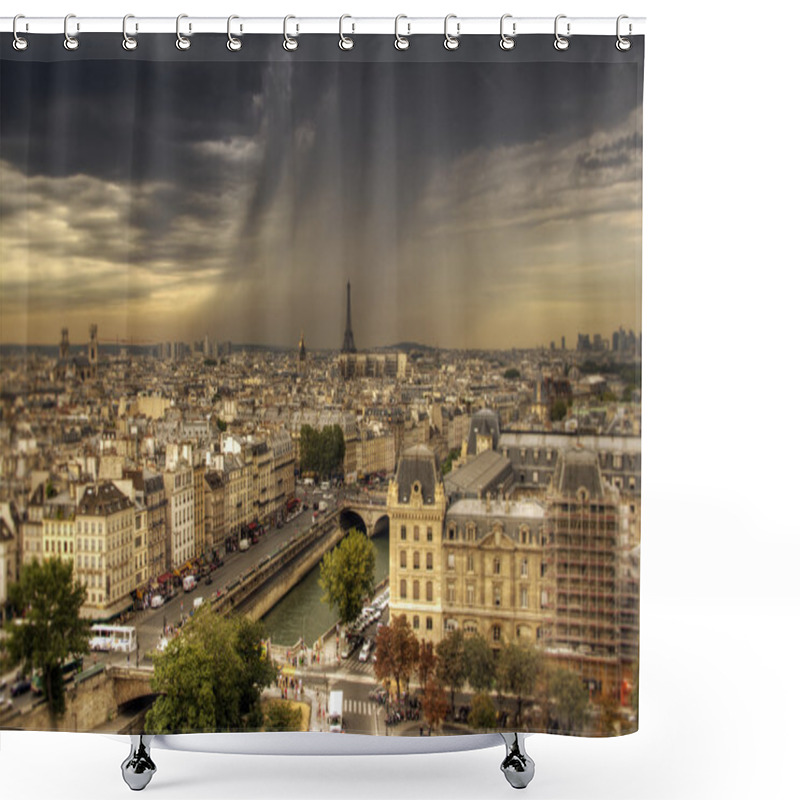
(321, 384)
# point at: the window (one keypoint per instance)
(470, 563)
(403, 589)
(470, 626)
(497, 566)
(523, 568)
(496, 633)
(416, 533)
(429, 561)
(523, 597)
(430, 534)
(403, 532)
(415, 593)
(451, 561)
(470, 594)
(498, 595)
(451, 533)
(402, 559)
(429, 591)
(451, 592)
(416, 623)
(429, 623)
(416, 559)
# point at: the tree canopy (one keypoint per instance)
(450, 664)
(426, 663)
(347, 574)
(434, 704)
(396, 651)
(519, 667)
(479, 662)
(321, 452)
(482, 714)
(53, 630)
(211, 677)
(281, 715)
(571, 700)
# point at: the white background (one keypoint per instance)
(720, 603)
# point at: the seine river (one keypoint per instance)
(301, 613)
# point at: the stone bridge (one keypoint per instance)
(130, 683)
(363, 514)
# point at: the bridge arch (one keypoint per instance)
(348, 518)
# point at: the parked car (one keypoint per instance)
(20, 687)
(365, 650)
(156, 601)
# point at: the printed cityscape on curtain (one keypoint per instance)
(332, 368)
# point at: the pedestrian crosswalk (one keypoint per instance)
(360, 667)
(362, 707)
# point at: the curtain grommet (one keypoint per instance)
(561, 43)
(507, 42)
(289, 43)
(182, 42)
(20, 43)
(401, 42)
(623, 44)
(70, 42)
(451, 42)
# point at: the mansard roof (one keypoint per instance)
(577, 470)
(417, 465)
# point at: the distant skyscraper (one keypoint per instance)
(349, 345)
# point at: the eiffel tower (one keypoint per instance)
(349, 345)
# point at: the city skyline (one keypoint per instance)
(493, 224)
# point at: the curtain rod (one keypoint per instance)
(463, 26)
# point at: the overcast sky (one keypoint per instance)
(470, 205)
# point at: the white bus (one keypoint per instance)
(114, 638)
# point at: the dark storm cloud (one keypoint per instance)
(280, 180)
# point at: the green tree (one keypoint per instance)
(281, 715)
(210, 677)
(53, 630)
(570, 699)
(450, 664)
(483, 714)
(519, 667)
(222, 426)
(479, 662)
(511, 374)
(396, 652)
(434, 704)
(322, 452)
(558, 411)
(347, 574)
(447, 464)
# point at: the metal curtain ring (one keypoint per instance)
(19, 42)
(234, 44)
(182, 43)
(288, 42)
(128, 42)
(401, 42)
(560, 43)
(70, 42)
(451, 42)
(507, 42)
(345, 42)
(623, 44)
